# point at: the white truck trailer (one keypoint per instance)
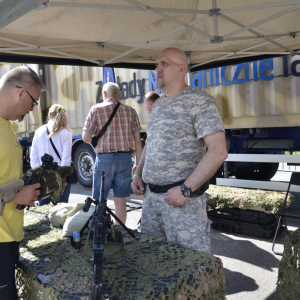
(259, 102)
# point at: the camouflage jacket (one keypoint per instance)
(175, 134)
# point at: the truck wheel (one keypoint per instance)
(84, 162)
(262, 172)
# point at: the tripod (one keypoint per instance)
(97, 224)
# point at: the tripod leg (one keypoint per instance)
(120, 222)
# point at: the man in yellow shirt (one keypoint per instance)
(20, 90)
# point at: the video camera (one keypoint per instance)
(49, 175)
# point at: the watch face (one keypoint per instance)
(187, 193)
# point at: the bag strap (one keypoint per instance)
(53, 146)
(103, 130)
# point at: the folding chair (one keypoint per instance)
(290, 212)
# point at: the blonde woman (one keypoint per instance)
(58, 130)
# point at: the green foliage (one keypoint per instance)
(288, 284)
(229, 197)
(293, 153)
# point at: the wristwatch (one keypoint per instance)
(186, 191)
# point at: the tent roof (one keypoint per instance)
(122, 32)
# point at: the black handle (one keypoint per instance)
(87, 204)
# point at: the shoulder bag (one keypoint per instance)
(103, 130)
(73, 178)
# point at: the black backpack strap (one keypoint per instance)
(103, 130)
(53, 146)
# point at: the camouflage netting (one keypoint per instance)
(229, 197)
(288, 284)
(150, 269)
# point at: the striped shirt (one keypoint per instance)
(119, 134)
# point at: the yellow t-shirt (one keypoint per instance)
(11, 164)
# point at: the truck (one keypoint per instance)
(259, 102)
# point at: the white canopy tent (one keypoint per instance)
(110, 32)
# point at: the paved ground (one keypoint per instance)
(250, 266)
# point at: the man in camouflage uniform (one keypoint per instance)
(175, 163)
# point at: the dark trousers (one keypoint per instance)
(9, 257)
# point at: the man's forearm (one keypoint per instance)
(205, 169)
(86, 137)
(141, 161)
(138, 153)
(210, 162)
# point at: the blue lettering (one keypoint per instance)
(285, 66)
(132, 84)
(263, 68)
(235, 79)
(217, 76)
(100, 83)
(255, 77)
(204, 79)
(211, 77)
(246, 66)
(124, 91)
(141, 86)
(197, 79)
(294, 66)
(152, 82)
(223, 80)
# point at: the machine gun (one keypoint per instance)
(49, 175)
(98, 224)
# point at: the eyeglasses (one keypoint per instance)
(34, 102)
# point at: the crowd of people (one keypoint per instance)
(185, 147)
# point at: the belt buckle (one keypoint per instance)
(151, 188)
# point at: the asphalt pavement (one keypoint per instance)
(250, 266)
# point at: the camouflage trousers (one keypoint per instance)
(187, 225)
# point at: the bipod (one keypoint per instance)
(86, 207)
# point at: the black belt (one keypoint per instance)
(163, 188)
(116, 152)
(160, 189)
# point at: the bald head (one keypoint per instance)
(171, 68)
(177, 55)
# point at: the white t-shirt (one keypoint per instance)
(41, 145)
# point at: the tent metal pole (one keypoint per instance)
(215, 18)
(256, 37)
(122, 50)
(261, 6)
(125, 53)
(256, 33)
(255, 24)
(249, 48)
(49, 50)
(169, 18)
(122, 7)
